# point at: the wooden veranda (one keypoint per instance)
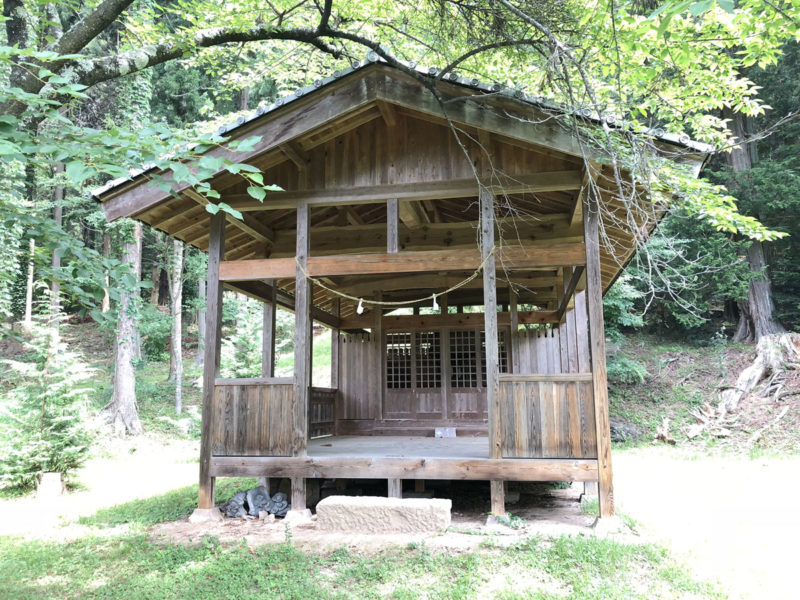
(394, 194)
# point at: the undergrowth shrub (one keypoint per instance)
(622, 369)
(42, 410)
(154, 328)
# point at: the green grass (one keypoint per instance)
(111, 565)
(132, 568)
(171, 506)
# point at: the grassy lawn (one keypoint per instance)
(112, 562)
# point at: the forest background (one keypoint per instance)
(94, 89)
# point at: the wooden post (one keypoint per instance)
(302, 353)
(377, 340)
(268, 337)
(514, 316)
(392, 226)
(395, 488)
(492, 351)
(597, 345)
(335, 347)
(216, 253)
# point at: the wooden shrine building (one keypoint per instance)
(396, 196)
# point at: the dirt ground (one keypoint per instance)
(733, 520)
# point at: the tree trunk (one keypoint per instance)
(755, 314)
(28, 319)
(122, 411)
(155, 275)
(175, 301)
(201, 322)
(55, 287)
(106, 304)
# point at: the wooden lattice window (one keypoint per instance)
(463, 359)
(429, 359)
(398, 360)
(502, 351)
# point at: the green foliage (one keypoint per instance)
(154, 328)
(241, 347)
(43, 418)
(623, 369)
(619, 307)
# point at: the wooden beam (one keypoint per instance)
(589, 176)
(597, 345)
(550, 181)
(555, 255)
(213, 341)
(392, 226)
(362, 286)
(295, 154)
(262, 292)
(278, 127)
(569, 290)
(248, 224)
(412, 214)
(387, 112)
(543, 230)
(406, 468)
(409, 322)
(491, 114)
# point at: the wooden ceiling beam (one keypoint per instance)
(412, 214)
(549, 181)
(553, 255)
(408, 322)
(248, 223)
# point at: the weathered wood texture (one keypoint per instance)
(322, 412)
(213, 345)
(597, 345)
(347, 467)
(357, 377)
(252, 419)
(547, 419)
(563, 349)
(555, 255)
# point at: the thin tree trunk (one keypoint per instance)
(55, 286)
(28, 319)
(155, 275)
(756, 313)
(201, 322)
(106, 304)
(122, 411)
(175, 301)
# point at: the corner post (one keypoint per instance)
(302, 353)
(597, 346)
(492, 354)
(216, 253)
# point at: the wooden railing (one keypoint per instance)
(321, 412)
(548, 416)
(252, 417)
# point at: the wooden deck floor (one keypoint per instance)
(398, 447)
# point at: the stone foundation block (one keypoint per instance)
(372, 514)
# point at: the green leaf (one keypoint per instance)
(257, 192)
(78, 172)
(726, 5)
(247, 145)
(212, 208)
